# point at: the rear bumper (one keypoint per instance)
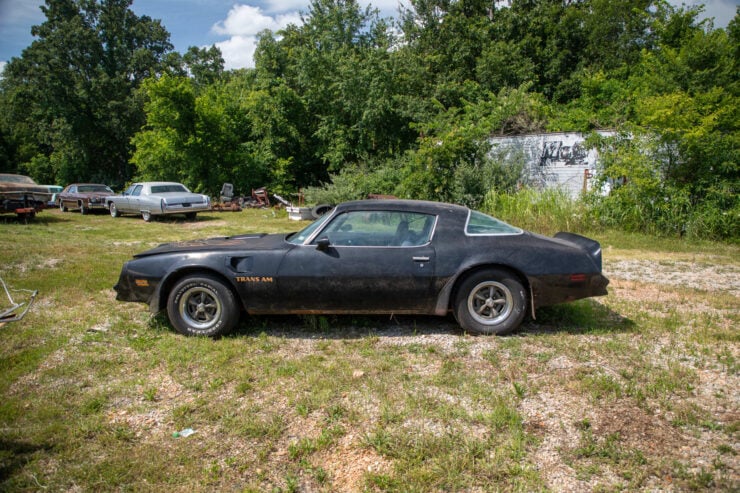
(176, 209)
(554, 289)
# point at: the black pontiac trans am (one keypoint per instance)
(368, 257)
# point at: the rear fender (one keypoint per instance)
(447, 293)
(592, 247)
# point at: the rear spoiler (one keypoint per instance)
(592, 247)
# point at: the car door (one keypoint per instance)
(363, 261)
(68, 198)
(129, 201)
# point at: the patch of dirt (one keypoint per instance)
(679, 274)
(348, 463)
(198, 225)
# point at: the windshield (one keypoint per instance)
(95, 188)
(300, 237)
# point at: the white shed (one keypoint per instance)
(553, 160)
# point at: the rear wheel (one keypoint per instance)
(201, 305)
(492, 301)
(113, 211)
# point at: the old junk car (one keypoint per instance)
(368, 257)
(158, 198)
(85, 197)
(22, 196)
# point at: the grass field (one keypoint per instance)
(638, 390)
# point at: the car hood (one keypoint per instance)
(255, 241)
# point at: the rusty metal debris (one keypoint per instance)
(12, 311)
(226, 200)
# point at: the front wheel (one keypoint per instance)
(113, 211)
(62, 207)
(146, 216)
(83, 210)
(201, 305)
(191, 216)
(491, 302)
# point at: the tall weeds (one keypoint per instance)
(542, 211)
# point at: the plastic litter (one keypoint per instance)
(183, 433)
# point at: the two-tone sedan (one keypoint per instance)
(85, 197)
(157, 198)
(368, 257)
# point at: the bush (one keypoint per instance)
(355, 182)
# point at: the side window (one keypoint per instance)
(72, 189)
(137, 190)
(379, 229)
(482, 224)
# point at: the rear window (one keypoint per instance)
(169, 188)
(482, 224)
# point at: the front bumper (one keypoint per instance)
(133, 287)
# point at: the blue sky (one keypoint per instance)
(230, 24)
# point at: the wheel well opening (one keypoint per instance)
(170, 281)
(478, 268)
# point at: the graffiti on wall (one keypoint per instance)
(556, 153)
(554, 160)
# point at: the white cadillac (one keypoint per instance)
(154, 198)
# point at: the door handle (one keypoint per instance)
(420, 259)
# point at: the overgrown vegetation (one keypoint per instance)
(353, 103)
(635, 391)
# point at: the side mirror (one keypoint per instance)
(323, 244)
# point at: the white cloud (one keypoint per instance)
(238, 52)
(247, 20)
(2, 67)
(242, 24)
(277, 6)
(723, 11)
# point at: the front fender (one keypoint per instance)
(192, 264)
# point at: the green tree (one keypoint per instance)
(71, 96)
(204, 65)
(339, 64)
(455, 146)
